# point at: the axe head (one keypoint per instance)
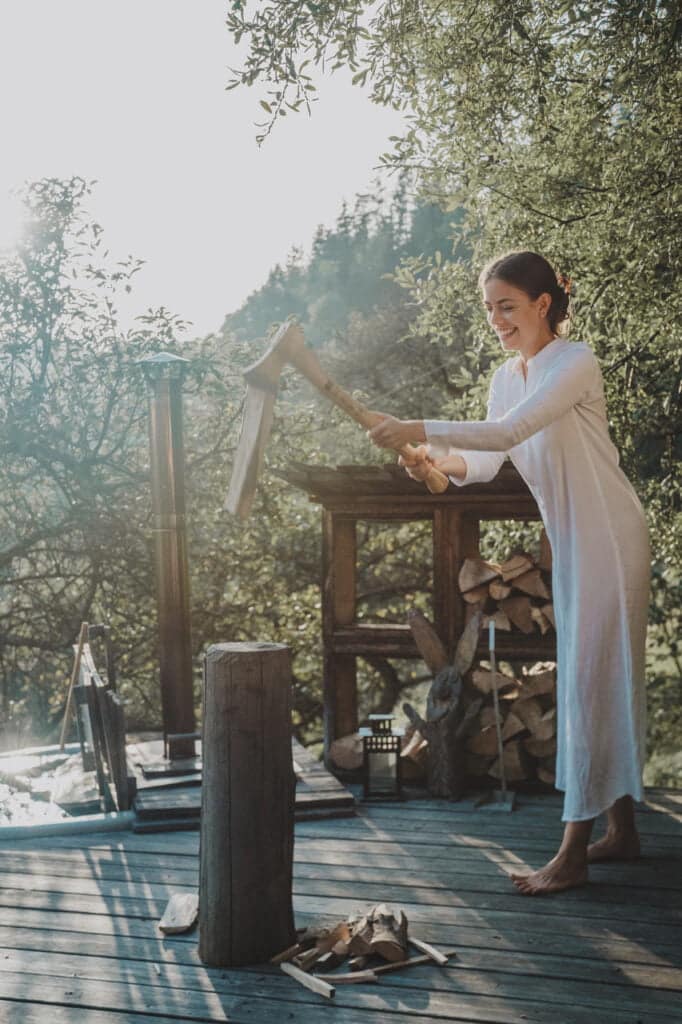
(248, 460)
(262, 381)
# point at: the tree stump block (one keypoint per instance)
(248, 794)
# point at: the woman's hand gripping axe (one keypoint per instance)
(288, 347)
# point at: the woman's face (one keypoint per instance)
(518, 321)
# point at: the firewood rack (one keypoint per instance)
(350, 494)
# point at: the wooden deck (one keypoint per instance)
(79, 941)
(175, 802)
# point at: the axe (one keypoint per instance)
(288, 346)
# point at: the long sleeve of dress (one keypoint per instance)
(567, 381)
(481, 466)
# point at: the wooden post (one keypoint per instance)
(248, 793)
(338, 609)
(164, 373)
(455, 537)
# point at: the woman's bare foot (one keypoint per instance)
(562, 872)
(615, 846)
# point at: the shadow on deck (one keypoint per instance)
(79, 941)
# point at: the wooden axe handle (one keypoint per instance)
(305, 360)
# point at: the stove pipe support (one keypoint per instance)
(165, 373)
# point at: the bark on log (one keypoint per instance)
(247, 820)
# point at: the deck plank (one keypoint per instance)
(79, 942)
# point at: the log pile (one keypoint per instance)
(517, 594)
(365, 946)
(528, 723)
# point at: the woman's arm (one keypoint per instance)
(567, 382)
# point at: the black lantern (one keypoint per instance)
(381, 746)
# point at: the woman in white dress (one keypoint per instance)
(546, 410)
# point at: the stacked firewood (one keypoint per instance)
(527, 709)
(517, 594)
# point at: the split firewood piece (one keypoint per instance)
(518, 610)
(482, 679)
(487, 717)
(347, 751)
(358, 963)
(352, 978)
(476, 764)
(539, 616)
(389, 933)
(361, 935)
(287, 954)
(431, 951)
(540, 680)
(514, 763)
(429, 644)
(306, 960)
(540, 748)
(415, 748)
(546, 727)
(311, 981)
(413, 961)
(548, 611)
(499, 590)
(500, 619)
(181, 913)
(515, 566)
(532, 583)
(478, 595)
(512, 726)
(484, 742)
(475, 572)
(529, 711)
(545, 559)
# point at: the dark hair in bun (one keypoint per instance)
(533, 275)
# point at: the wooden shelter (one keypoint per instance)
(350, 494)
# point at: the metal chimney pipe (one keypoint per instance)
(165, 373)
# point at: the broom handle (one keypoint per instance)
(496, 703)
(305, 360)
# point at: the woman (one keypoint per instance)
(546, 410)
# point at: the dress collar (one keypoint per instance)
(538, 358)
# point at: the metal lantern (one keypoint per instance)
(381, 762)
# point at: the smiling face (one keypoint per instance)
(518, 321)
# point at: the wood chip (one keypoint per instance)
(181, 913)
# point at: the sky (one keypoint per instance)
(131, 93)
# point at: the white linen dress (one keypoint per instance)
(552, 424)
